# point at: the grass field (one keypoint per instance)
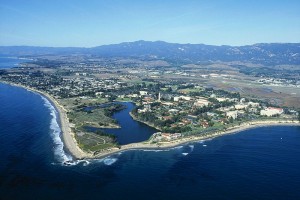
(72, 103)
(92, 142)
(95, 118)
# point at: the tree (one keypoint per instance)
(169, 89)
(112, 98)
(211, 123)
(230, 119)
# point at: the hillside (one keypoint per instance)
(263, 53)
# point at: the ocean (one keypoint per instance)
(10, 62)
(260, 163)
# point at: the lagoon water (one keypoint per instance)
(261, 163)
(132, 131)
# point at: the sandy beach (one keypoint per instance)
(73, 147)
(68, 136)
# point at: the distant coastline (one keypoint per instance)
(73, 147)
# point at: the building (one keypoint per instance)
(186, 98)
(167, 103)
(147, 108)
(143, 93)
(170, 136)
(173, 111)
(158, 99)
(253, 104)
(232, 114)
(176, 98)
(240, 106)
(201, 102)
(221, 99)
(271, 111)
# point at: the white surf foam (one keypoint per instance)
(155, 150)
(185, 154)
(59, 152)
(192, 147)
(86, 163)
(109, 161)
(177, 147)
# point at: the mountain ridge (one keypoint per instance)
(264, 53)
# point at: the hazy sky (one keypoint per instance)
(86, 23)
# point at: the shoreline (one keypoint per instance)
(191, 139)
(68, 136)
(148, 124)
(72, 146)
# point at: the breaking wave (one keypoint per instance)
(155, 150)
(59, 151)
(109, 160)
(192, 147)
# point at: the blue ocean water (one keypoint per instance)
(10, 62)
(261, 163)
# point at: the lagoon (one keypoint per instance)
(131, 131)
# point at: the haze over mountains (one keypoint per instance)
(263, 53)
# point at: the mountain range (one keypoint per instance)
(262, 53)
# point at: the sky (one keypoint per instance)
(89, 23)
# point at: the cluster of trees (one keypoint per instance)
(209, 108)
(148, 117)
(177, 129)
(113, 108)
(185, 86)
(207, 92)
(165, 125)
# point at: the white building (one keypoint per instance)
(146, 108)
(143, 93)
(221, 99)
(185, 98)
(271, 111)
(201, 102)
(233, 114)
(176, 98)
(240, 106)
(253, 104)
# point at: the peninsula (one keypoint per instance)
(189, 131)
(183, 99)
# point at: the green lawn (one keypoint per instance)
(82, 118)
(91, 142)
